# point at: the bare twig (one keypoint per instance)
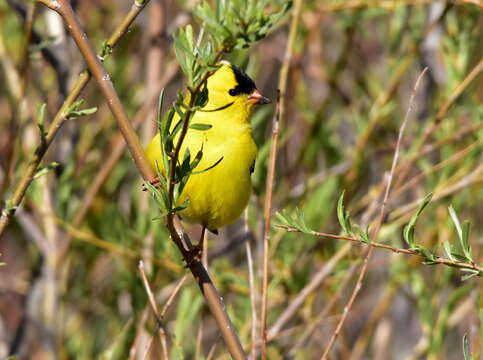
(251, 281)
(266, 231)
(154, 308)
(279, 117)
(173, 294)
(375, 234)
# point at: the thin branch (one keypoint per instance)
(251, 282)
(173, 294)
(154, 308)
(267, 221)
(438, 260)
(375, 234)
(279, 117)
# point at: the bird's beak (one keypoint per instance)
(256, 97)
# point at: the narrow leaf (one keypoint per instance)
(200, 126)
(456, 221)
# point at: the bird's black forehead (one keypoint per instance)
(245, 84)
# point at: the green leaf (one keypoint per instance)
(466, 348)
(344, 216)
(84, 112)
(471, 273)
(106, 50)
(200, 126)
(283, 219)
(408, 232)
(295, 220)
(463, 234)
(177, 108)
(181, 207)
(202, 97)
(429, 257)
(160, 106)
(190, 38)
(465, 244)
(168, 144)
(456, 221)
(45, 169)
(9, 208)
(166, 123)
(41, 119)
(184, 169)
(42, 45)
(73, 110)
(197, 159)
(208, 168)
(448, 249)
(364, 234)
(458, 257)
(157, 195)
(74, 106)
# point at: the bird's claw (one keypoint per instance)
(194, 254)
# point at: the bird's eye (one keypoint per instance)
(232, 92)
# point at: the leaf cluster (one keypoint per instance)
(226, 26)
(458, 253)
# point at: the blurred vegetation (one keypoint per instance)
(69, 280)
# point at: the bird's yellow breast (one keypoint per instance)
(219, 195)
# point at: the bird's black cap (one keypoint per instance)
(245, 84)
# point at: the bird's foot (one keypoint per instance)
(194, 254)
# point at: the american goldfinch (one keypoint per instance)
(219, 195)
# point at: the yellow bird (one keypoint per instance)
(219, 195)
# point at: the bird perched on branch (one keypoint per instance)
(216, 197)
